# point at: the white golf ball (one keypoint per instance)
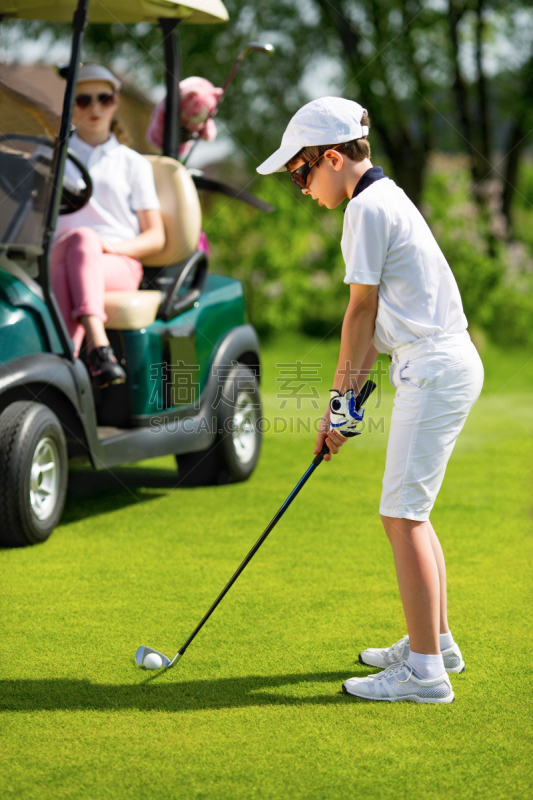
(153, 661)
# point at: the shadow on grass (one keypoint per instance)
(64, 694)
(90, 493)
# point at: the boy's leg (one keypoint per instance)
(417, 572)
(439, 559)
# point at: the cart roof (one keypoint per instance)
(125, 11)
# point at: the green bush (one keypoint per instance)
(509, 315)
(289, 261)
(462, 236)
(497, 291)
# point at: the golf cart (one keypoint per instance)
(191, 359)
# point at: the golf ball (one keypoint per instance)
(153, 661)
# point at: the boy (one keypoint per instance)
(404, 301)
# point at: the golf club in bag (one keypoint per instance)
(144, 651)
(269, 49)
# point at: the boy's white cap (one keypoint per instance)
(97, 72)
(328, 120)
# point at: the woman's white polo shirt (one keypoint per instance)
(123, 183)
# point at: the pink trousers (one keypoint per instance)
(82, 273)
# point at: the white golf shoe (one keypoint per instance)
(398, 652)
(400, 683)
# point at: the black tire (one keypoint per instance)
(233, 455)
(31, 436)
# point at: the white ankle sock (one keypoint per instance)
(425, 666)
(446, 640)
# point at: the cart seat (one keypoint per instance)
(180, 209)
(182, 218)
(131, 311)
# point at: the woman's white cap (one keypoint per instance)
(328, 120)
(97, 72)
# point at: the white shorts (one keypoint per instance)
(437, 380)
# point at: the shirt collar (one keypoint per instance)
(369, 177)
(83, 147)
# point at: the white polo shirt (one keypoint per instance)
(387, 241)
(123, 183)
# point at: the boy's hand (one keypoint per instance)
(333, 439)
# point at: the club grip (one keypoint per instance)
(360, 400)
(364, 394)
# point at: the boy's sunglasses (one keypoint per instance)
(299, 176)
(104, 99)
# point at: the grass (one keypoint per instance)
(254, 709)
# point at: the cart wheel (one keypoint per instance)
(233, 456)
(33, 473)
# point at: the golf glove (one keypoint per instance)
(343, 415)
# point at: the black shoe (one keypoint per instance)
(104, 367)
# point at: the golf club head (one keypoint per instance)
(261, 48)
(143, 651)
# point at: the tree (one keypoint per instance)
(404, 60)
(485, 106)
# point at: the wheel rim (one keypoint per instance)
(244, 427)
(44, 479)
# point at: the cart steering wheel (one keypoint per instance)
(72, 197)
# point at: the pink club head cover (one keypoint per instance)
(198, 99)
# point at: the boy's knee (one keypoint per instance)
(403, 528)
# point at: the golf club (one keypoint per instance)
(144, 651)
(258, 48)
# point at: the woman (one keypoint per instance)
(98, 248)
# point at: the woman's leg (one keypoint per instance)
(64, 301)
(89, 273)
(78, 283)
(95, 335)
(417, 572)
(86, 278)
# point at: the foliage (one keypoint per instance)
(396, 57)
(523, 229)
(292, 268)
(497, 291)
(455, 221)
(289, 261)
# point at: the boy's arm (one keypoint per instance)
(356, 357)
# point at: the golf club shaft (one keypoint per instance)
(225, 85)
(232, 73)
(364, 394)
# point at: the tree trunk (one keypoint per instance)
(455, 14)
(482, 127)
(517, 140)
(474, 118)
(407, 154)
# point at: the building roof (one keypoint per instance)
(31, 101)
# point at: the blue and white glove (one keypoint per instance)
(343, 415)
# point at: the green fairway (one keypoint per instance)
(255, 709)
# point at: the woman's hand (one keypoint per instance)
(151, 239)
(333, 439)
(108, 247)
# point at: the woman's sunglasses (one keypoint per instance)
(104, 99)
(299, 176)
